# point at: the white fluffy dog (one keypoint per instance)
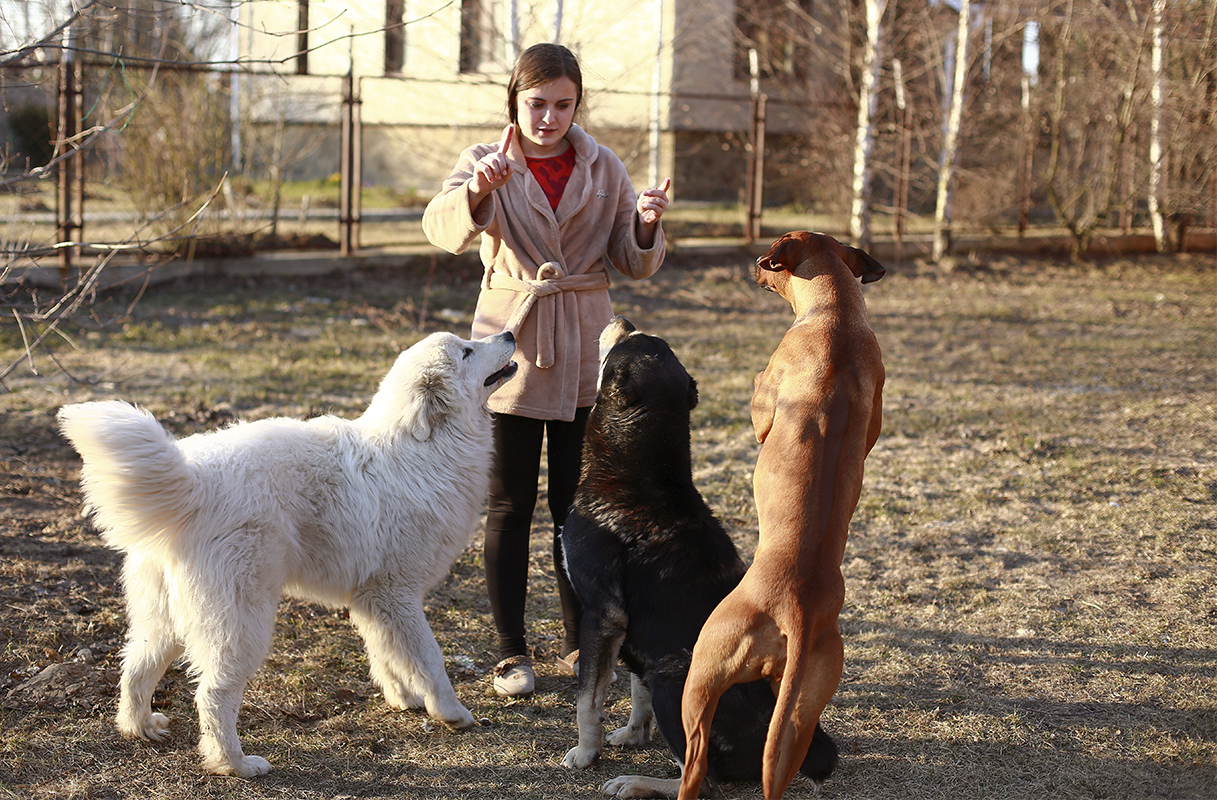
(367, 513)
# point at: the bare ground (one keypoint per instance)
(1030, 607)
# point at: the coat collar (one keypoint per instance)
(586, 149)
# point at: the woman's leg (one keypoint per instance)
(513, 495)
(564, 454)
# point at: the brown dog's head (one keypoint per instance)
(805, 254)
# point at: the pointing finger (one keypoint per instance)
(506, 143)
(667, 184)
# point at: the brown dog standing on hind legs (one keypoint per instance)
(817, 412)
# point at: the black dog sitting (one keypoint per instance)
(649, 562)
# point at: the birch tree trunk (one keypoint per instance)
(859, 218)
(950, 144)
(1156, 162)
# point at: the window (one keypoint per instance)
(395, 36)
(779, 31)
(485, 36)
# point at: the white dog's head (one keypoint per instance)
(441, 377)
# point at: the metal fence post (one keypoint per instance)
(350, 206)
(69, 173)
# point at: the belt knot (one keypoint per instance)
(551, 281)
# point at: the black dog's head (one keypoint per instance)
(640, 423)
(640, 374)
(637, 474)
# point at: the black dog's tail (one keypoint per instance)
(741, 723)
(821, 758)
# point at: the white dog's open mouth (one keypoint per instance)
(503, 374)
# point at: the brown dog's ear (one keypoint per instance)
(784, 257)
(863, 265)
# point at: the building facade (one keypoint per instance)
(668, 83)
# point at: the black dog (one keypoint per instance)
(649, 562)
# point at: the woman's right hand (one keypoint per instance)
(492, 170)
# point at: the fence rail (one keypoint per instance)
(75, 166)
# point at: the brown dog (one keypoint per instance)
(817, 413)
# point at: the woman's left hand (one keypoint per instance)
(653, 202)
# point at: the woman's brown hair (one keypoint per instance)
(540, 64)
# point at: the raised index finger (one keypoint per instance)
(667, 184)
(506, 143)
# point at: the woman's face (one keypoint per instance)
(545, 112)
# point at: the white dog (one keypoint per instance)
(368, 514)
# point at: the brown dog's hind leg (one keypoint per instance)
(697, 706)
(712, 671)
(739, 643)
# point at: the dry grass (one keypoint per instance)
(1030, 580)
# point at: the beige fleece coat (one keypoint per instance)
(546, 278)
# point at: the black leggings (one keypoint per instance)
(513, 496)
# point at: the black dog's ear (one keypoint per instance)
(783, 257)
(632, 390)
(692, 393)
(863, 265)
(618, 382)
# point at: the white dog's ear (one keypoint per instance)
(416, 394)
(428, 401)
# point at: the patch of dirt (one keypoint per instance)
(1030, 596)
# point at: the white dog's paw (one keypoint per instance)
(220, 760)
(580, 757)
(254, 766)
(154, 728)
(630, 736)
(246, 767)
(157, 729)
(460, 721)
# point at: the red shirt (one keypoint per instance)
(553, 173)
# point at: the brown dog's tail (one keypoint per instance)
(813, 670)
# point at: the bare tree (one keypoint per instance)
(1184, 104)
(864, 140)
(1098, 92)
(950, 142)
(151, 77)
(1156, 165)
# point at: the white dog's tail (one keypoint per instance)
(135, 480)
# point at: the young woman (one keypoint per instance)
(552, 209)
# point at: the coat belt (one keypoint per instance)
(543, 294)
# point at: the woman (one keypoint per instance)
(553, 209)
